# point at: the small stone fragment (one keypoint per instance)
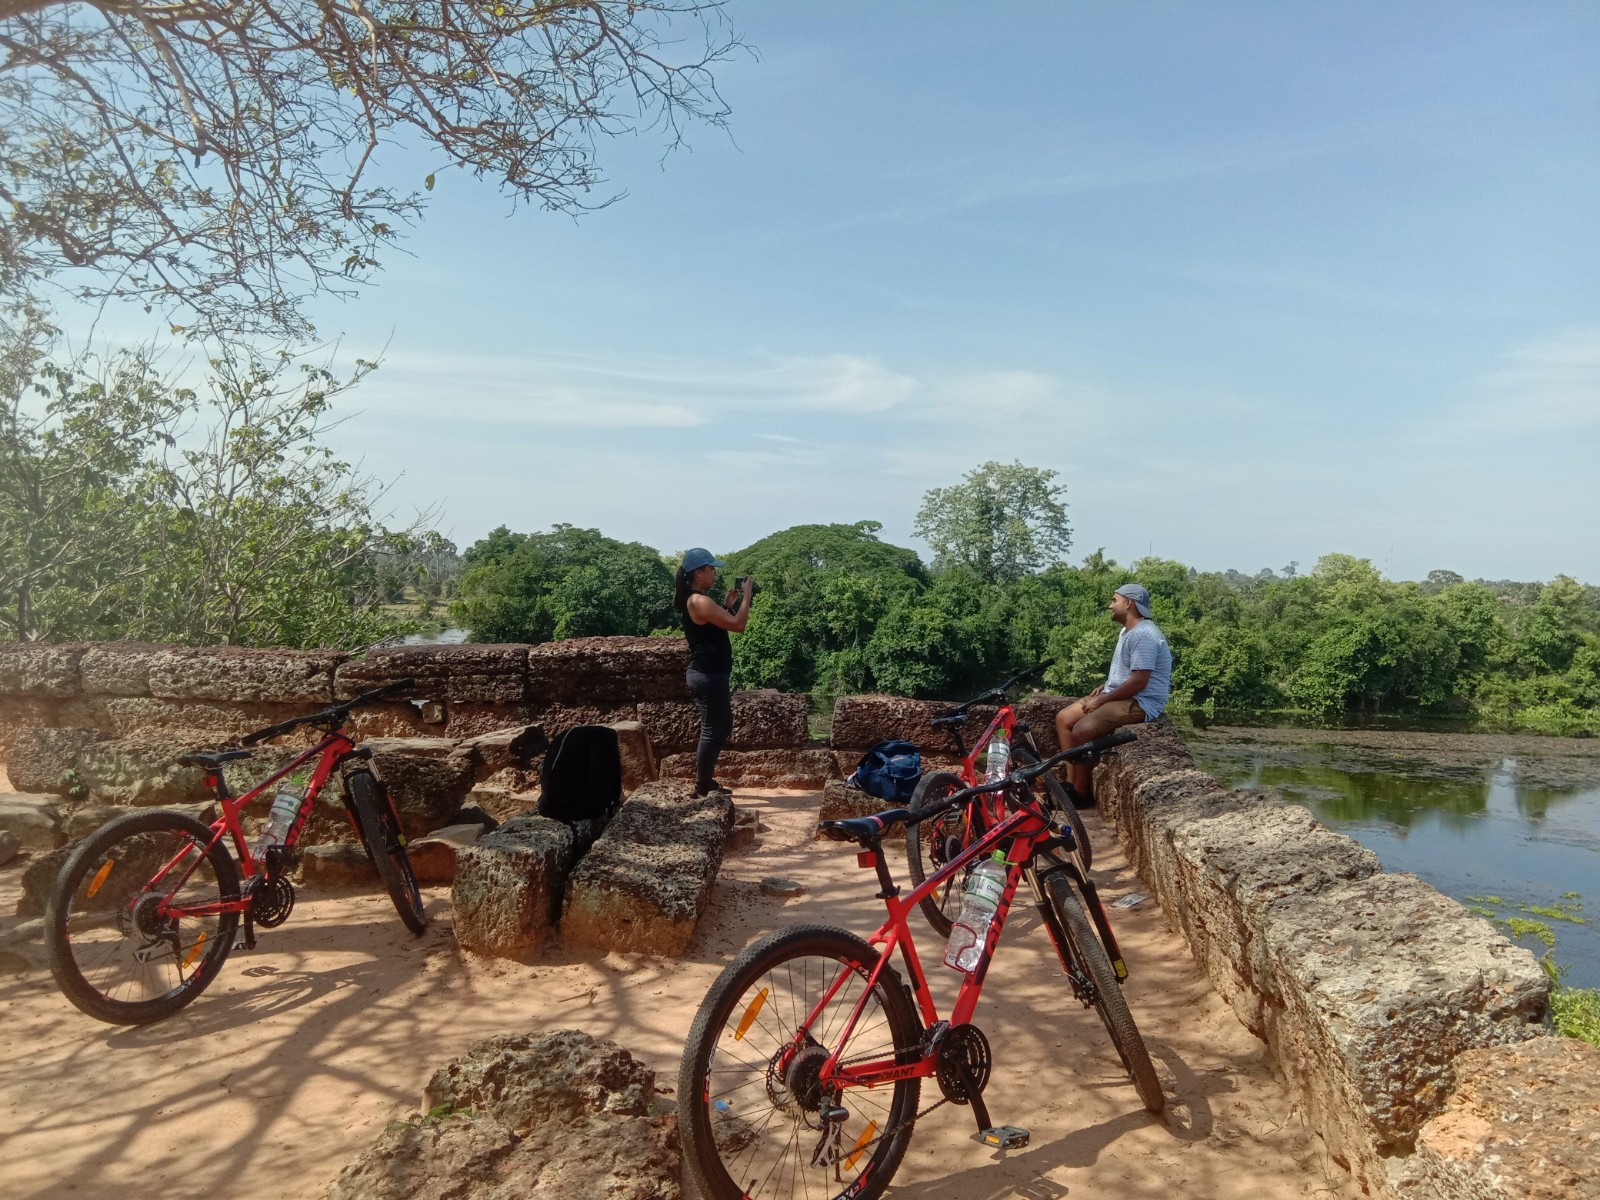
(776, 885)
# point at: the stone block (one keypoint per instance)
(469, 720)
(390, 720)
(120, 668)
(241, 675)
(433, 858)
(761, 768)
(558, 718)
(35, 820)
(510, 747)
(762, 720)
(862, 721)
(1380, 984)
(638, 758)
(39, 671)
(1039, 711)
(10, 847)
(41, 758)
(132, 714)
(86, 820)
(550, 1116)
(142, 768)
(19, 713)
(470, 672)
(841, 802)
(426, 787)
(1522, 1124)
(644, 883)
(607, 670)
(39, 877)
(508, 886)
(335, 865)
(415, 747)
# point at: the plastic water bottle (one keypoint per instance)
(285, 808)
(985, 886)
(998, 759)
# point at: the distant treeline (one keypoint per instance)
(840, 611)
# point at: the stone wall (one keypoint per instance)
(461, 692)
(1378, 997)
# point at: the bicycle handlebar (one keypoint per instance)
(1025, 775)
(334, 715)
(999, 691)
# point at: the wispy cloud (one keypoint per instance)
(1547, 386)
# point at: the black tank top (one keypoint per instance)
(710, 651)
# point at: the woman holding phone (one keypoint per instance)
(707, 625)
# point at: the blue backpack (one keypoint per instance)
(889, 771)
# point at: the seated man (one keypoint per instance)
(1136, 687)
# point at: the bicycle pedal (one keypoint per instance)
(1004, 1137)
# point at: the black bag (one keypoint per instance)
(889, 771)
(581, 779)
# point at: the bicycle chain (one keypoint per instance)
(899, 1125)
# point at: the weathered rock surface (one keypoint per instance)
(554, 1116)
(840, 803)
(508, 886)
(644, 883)
(433, 858)
(41, 758)
(35, 820)
(762, 720)
(119, 668)
(10, 847)
(1522, 1124)
(861, 721)
(495, 674)
(142, 768)
(469, 719)
(428, 779)
(515, 747)
(335, 865)
(638, 757)
(245, 676)
(38, 670)
(38, 877)
(19, 713)
(761, 768)
(138, 714)
(86, 820)
(608, 670)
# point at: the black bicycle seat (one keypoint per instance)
(862, 829)
(212, 761)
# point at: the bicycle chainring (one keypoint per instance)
(963, 1046)
(271, 900)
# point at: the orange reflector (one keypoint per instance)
(750, 1015)
(194, 952)
(861, 1144)
(99, 879)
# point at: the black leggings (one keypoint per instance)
(714, 701)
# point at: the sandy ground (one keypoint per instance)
(303, 1049)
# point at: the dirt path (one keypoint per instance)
(303, 1049)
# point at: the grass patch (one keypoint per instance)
(1576, 1013)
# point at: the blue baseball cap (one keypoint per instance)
(699, 557)
(1139, 594)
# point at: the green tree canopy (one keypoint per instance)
(1002, 521)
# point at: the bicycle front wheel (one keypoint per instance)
(385, 841)
(932, 843)
(756, 1119)
(1103, 989)
(133, 930)
(1062, 802)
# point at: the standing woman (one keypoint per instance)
(707, 624)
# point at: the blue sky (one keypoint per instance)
(1260, 280)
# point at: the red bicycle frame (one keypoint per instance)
(332, 750)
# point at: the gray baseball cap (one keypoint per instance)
(699, 557)
(1139, 594)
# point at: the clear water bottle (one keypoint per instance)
(998, 760)
(985, 886)
(285, 808)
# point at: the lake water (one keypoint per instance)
(440, 637)
(1502, 823)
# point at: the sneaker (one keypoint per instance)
(706, 790)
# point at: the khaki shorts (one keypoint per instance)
(1108, 717)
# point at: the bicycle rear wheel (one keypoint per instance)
(932, 843)
(750, 1098)
(1025, 757)
(1103, 990)
(132, 931)
(385, 843)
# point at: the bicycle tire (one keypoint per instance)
(1083, 944)
(1025, 757)
(931, 844)
(385, 843)
(723, 1075)
(101, 925)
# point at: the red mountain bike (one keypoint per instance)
(930, 845)
(805, 1061)
(146, 910)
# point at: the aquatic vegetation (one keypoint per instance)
(1574, 1011)
(1522, 927)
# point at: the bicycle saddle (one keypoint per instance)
(212, 761)
(862, 829)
